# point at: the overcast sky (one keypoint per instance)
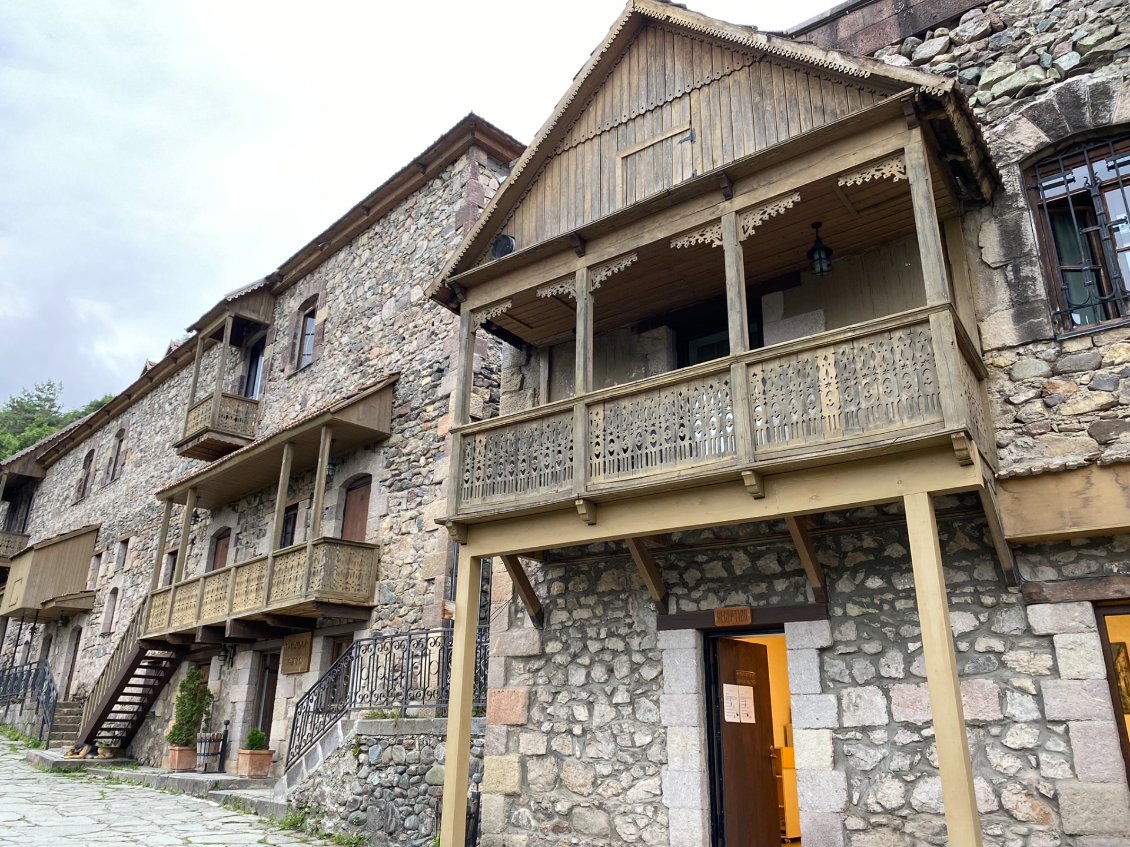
(155, 155)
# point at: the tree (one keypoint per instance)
(36, 413)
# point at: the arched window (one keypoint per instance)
(86, 478)
(221, 546)
(1081, 200)
(305, 333)
(355, 515)
(253, 382)
(117, 455)
(109, 612)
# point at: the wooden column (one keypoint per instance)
(185, 528)
(461, 403)
(319, 501)
(162, 540)
(221, 367)
(582, 381)
(277, 518)
(737, 315)
(196, 378)
(453, 823)
(926, 222)
(962, 820)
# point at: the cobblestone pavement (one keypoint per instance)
(39, 809)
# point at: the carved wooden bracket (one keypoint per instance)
(564, 287)
(893, 168)
(748, 221)
(754, 484)
(602, 272)
(587, 510)
(488, 313)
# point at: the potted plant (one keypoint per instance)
(193, 700)
(254, 757)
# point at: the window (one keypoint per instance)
(86, 478)
(1081, 198)
(123, 551)
(221, 544)
(289, 526)
(305, 332)
(170, 568)
(109, 612)
(117, 456)
(253, 382)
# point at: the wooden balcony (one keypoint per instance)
(294, 581)
(11, 543)
(215, 426)
(876, 387)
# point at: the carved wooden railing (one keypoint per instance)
(235, 415)
(330, 569)
(896, 379)
(12, 543)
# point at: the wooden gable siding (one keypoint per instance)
(675, 106)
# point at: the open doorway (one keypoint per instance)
(749, 719)
(265, 692)
(1114, 631)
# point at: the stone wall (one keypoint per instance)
(385, 781)
(595, 725)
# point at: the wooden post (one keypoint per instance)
(461, 403)
(962, 820)
(162, 540)
(277, 519)
(221, 366)
(525, 590)
(582, 382)
(737, 315)
(185, 528)
(196, 380)
(453, 823)
(319, 501)
(962, 285)
(926, 222)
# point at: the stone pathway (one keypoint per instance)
(39, 809)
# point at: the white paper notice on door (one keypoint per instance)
(730, 703)
(746, 712)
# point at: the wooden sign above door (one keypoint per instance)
(296, 651)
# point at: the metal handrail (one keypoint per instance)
(17, 682)
(402, 671)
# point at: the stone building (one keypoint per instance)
(784, 550)
(295, 444)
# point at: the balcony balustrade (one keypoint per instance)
(11, 543)
(213, 429)
(329, 570)
(884, 384)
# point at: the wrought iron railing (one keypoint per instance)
(409, 670)
(31, 686)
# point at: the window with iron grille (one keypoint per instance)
(1081, 198)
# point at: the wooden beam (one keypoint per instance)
(195, 377)
(754, 484)
(221, 368)
(463, 363)
(252, 630)
(185, 529)
(963, 822)
(798, 530)
(737, 315)
(290, 622)
(649, 573)
(211, 635)
(453, 820)
(759, 616)
(926, 221)
(525, 591)
(318, 503)
(587, 510)
(162, 540)
(1089, 589)
(1005, 559)
(277, 516)
(180, 639)
(582, 378)
(1093, 500)
(342, 611)
(845, 485)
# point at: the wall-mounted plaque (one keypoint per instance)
(733, 616)
(296, 652)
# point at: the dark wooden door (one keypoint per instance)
(72, 660)
(749, 785)
(220, 552)
(354, 523)
(268, 684)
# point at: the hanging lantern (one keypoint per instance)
(820, 256)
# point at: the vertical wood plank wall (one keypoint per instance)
(673, 107)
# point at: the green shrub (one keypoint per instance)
(193, 700)
(256, 740)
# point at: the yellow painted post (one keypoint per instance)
(185, 529)
(453, 823)
(962, 820)
(162, 540)
(318, 504)
(926, 222)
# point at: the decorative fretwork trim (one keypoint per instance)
(489, 313)
(710, 234)
(751, 219)
(599, 274)
(564, 287)
(893, 168)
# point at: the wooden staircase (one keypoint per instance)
(135, 676)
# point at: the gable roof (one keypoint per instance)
(637, 14)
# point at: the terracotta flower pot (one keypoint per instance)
(255, 764)
(182, 759)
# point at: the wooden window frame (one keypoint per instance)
(1102, 612)
(86, 478)
(1087, 202)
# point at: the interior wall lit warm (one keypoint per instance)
(784, 763)
(1118, 633)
